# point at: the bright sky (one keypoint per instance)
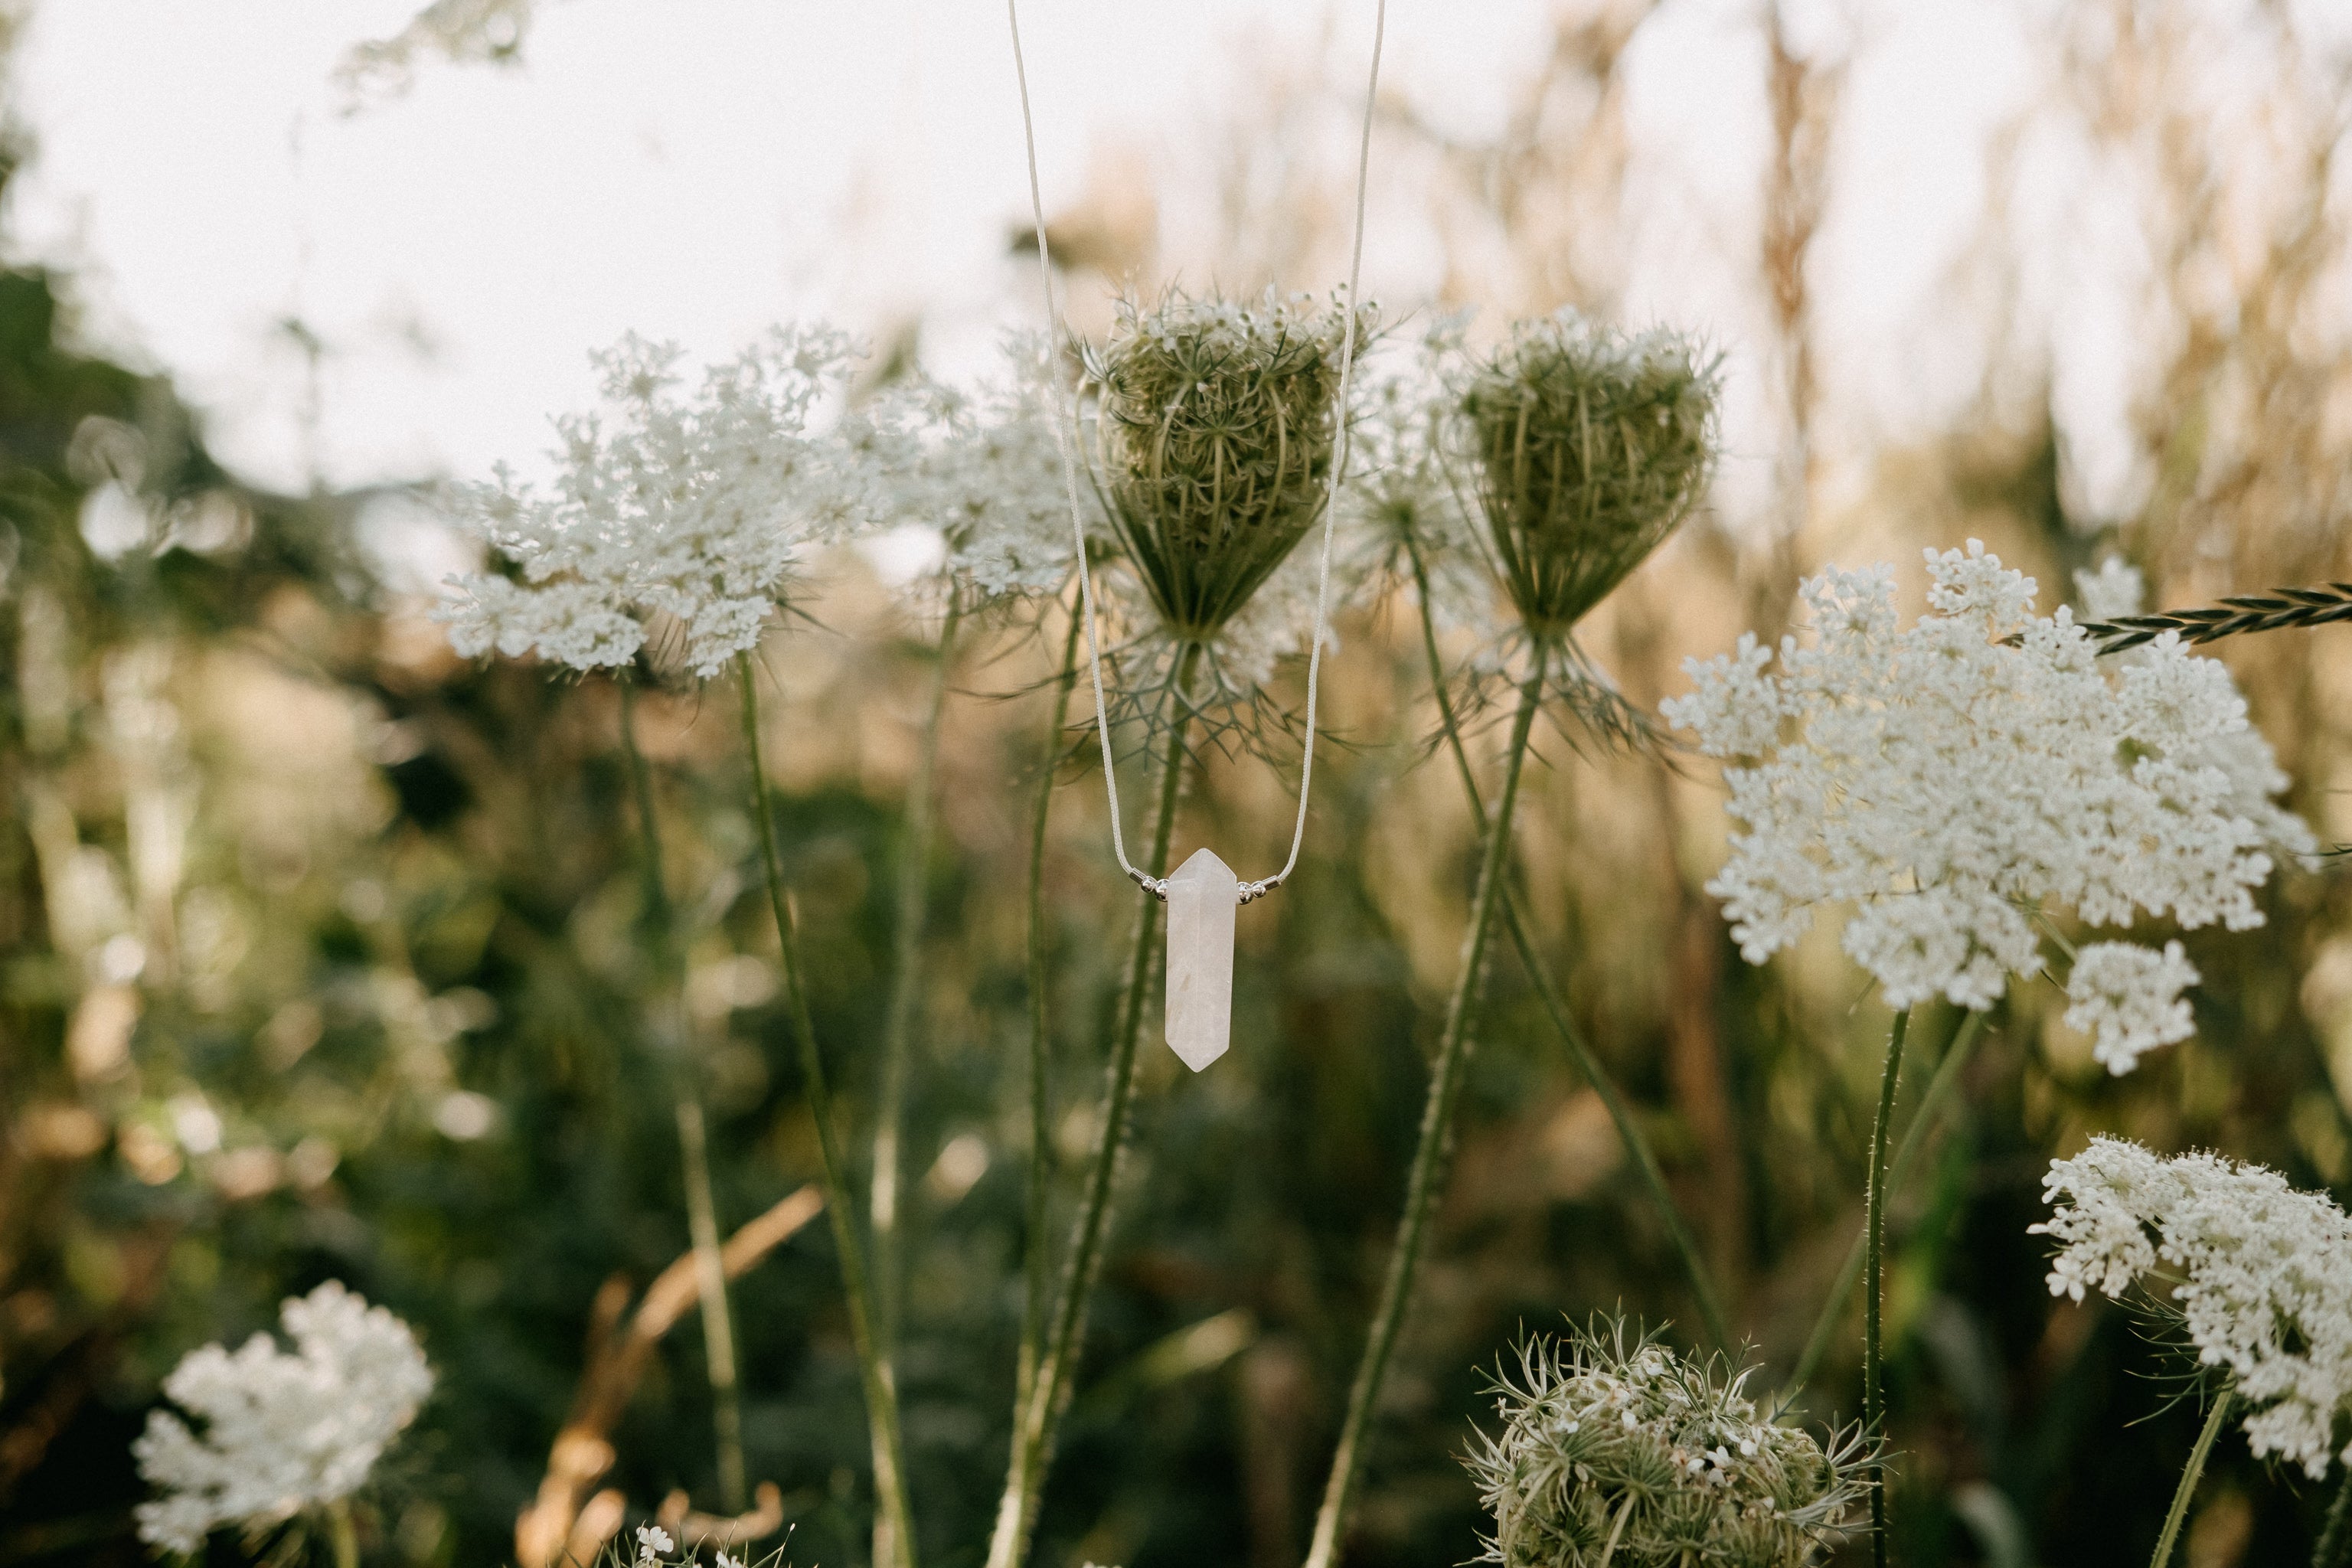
(699, 168)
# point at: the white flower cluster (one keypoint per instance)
(2266, 1286)
(987, 475)
(1278, 622)
(2114, 589)
(655, 1545)
(696, 509)
(282, 1432)
(2128, 999)
(1401, 491)
(1952, 781)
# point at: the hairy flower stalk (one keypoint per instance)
(671, 1030)
(1617, 1452)
(2191, 1473)
(2335, 1548)
(1035, 1272)
(1874, 1288)
(1048, 1391)
(1427, 1175)
(982, 470)
(1589, 449)
(1216, 425)
(905, 999)
(1958, 782)
(1940, 1089)
(676, 524)
(894, 1520)
(1629, 1132)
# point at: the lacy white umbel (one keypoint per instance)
(1950, 783)
(986, 474)
(2264, 1276)
(2128, 999)
(281, 1432)
(696, 509)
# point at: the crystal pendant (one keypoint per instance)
(1202, 898)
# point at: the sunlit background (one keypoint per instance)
(315, 940)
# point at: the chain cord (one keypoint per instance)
(1065, 439)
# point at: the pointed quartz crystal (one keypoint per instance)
(1202, 898)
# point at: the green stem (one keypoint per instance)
(898, 1014)
(694, 1152)
(2336, 1537)
(1034, 1254)
(345, 1538)
(1940, 1089)
(1629, 1132)
(1873, 1395)
(2190, 1474)
(1049, 1391)
(1428, 1172)
(711, 1285)
(894, 1521)
(1617, 1531)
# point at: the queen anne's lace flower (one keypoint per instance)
(1401, 496)
(2114, 589)
(1214, 428)
(694, 508)
(988, 476)
(1951, 781)
(282, 1432)
(2265, 1284)
(1617, 1450)
(2127, 999)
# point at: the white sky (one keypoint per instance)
(699, 168)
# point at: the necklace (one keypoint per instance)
(1203, 894)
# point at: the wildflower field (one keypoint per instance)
(1271, 920)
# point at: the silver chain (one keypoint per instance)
(1065, 438)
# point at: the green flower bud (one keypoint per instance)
(1591, 446)
(1214, 435)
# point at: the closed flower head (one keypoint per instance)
(1616, 1450)
(1589, 447)
(1215, 428)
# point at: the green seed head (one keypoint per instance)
(1213, 434)
(1616, 1449)
(1591, 446)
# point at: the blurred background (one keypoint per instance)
(317, 954)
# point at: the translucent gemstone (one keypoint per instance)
(1202, 898)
